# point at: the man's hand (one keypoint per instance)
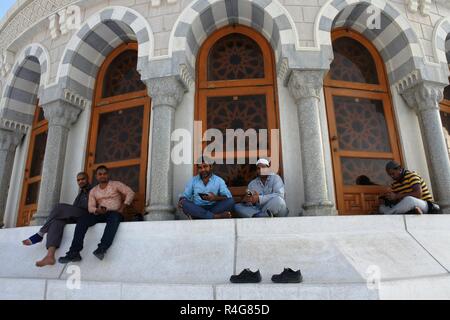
(180, 203)
(391, 196)
(100, 210)
(211, 197)
(254, 199)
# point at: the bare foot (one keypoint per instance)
(27, 242)
(418, 210)
(47, 261)
(223, 215)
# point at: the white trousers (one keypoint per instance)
(405, 205)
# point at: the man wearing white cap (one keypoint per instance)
(265, 196)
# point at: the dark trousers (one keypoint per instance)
(112, 219)
(61, 215)
(207, 212)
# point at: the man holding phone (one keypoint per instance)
(106, 204)
(265, 195)
(206, 195)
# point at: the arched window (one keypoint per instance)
(120, 122)
(236, 90)
(361, 123)
(33, 169)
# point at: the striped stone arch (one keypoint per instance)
(25, 84)
(396, 41)
(441, 42)
(97, 38)
(203, 17)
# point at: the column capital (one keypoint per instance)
(61, 113)
(305, 83)
(165, 91)
(424, 96)
(9, 139)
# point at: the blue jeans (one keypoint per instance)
(207, 212)
(277, 206)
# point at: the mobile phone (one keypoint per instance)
(249, 193)
(203, 195)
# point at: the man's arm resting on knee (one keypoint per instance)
(416, 193)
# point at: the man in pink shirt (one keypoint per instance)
(106, 204)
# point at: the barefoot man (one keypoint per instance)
(206, 195)
(58, 218)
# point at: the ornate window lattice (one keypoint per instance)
(119, 135)
(38, 154)
(235, 56)
(358, 171)
(237, 112)
(236, 175)
(352, 62)
(127, 175)
(122, 76)
(447, 93)
(361, 124)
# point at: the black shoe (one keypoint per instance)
(246, 276)
(99, 253)
(70, 257)
(288, 276)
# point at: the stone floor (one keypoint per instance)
(367, 257)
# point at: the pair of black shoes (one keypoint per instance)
(75, 256)
(287, 276)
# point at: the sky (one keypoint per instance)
(4, 6)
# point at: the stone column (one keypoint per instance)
(424, 98)
(166, 94)
(305, 87)
(8, 142)
(60, 115)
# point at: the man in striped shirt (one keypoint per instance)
(409, 192)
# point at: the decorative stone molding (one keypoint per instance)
(61, 113)
(9, 139)
(421, 6)
(424, 96)
(13, 126)
(29, 15)
(65, 20)
(306, 84)
(409, 81)
(75, 99)
(185, 76)
(157, 3)
(6, 62)
(167, 91)
(283, 71)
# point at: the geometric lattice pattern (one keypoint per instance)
(37, 161)
(122, 76)
(238, 112)
(359, 171)
(361, 124)
(352, 62)
(119, 135)
(235, 56)
(236, 175)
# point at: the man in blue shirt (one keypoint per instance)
(206, 195)
(266, 195)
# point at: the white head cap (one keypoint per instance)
(264, 162)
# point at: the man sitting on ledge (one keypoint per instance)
(409, 192)
(265, 196)
(106, 204)
(206, 195)
(58, 218)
